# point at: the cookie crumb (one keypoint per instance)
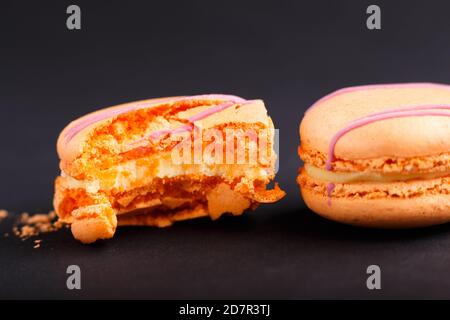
(33, 225)
(6, 235)
(3, 214)
(37, 243)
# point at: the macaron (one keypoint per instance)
(378, 155)
(158, 161)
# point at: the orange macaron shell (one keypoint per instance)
(401, 138)
(423, 211)
(69, 149)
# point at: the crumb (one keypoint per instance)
(6, 235)
(3, 214)
(23, 217)
(37, 243)
(33, 225)
(58, 224)
(27, 231)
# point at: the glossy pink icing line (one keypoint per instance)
(73, 131)
(188, 127)
(376, 86)
(426, 110)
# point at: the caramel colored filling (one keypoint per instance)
(99, 164)
(166, 194)
(376, 177)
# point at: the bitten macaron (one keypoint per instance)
(158, 161)
(378, 155)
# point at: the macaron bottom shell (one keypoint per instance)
(387, 212)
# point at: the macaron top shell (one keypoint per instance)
(73, 138)
(70, 143)
(402, 137)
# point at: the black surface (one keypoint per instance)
(288, 53)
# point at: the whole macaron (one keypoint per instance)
(378, 155)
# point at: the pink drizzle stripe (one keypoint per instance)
(188, 127)
(73, 131)
(376, 86)
(417, 111)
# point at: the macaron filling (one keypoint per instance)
(367, 177)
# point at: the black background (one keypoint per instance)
(288, 53)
